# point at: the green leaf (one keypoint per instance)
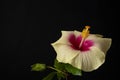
(67, 67)
(73, 70)
(38, 67)
(59, 65)
(60, 76)
(50, 76)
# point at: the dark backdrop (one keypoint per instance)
(30, 26)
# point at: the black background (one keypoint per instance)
(30, 26)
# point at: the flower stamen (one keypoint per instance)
(84, 34)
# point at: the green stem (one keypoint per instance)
(56, 70)
(66, 75)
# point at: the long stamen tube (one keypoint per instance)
(84, 34)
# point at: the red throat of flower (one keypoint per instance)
(80, 42)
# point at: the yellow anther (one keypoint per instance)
(85, 32)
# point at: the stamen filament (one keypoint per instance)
(81, 43)
(84, 34)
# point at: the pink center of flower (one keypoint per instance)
(76, 41)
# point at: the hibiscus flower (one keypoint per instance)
(82, 50)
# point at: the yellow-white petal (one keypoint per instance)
(77, 33)
(102, 43)
(89, 60)
(65, 53)
(64, 39)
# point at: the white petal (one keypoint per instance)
(77, 33)
(93, 59)
(64, 38)
(65, 53)
(98, 35)
(77, 61)
(102, 43)
(89, 60)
